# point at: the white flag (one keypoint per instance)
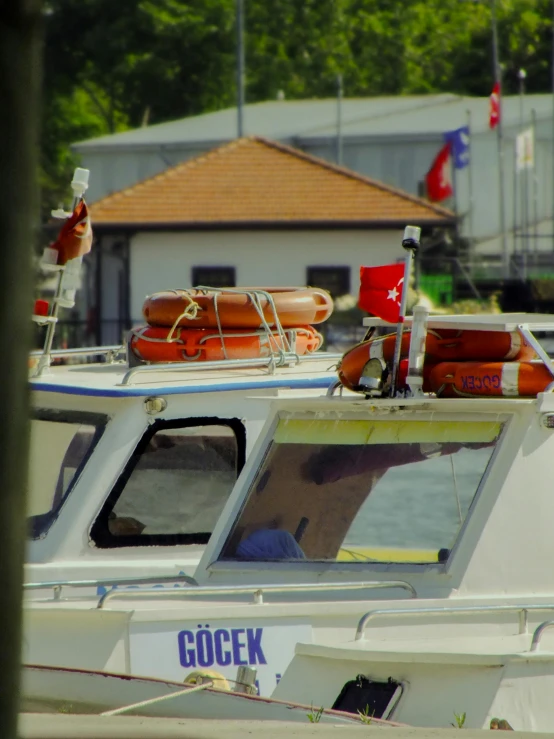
(525, 150)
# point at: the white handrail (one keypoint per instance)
(268, 362)
(57, 585)
(522, 609)
(258, 590)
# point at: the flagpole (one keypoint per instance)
(339, 119)
(498, 80)
(535, 187)
(469, 178)
(410, 243)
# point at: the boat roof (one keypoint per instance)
(117, 379)
(479, 322)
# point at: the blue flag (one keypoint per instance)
(459, 140)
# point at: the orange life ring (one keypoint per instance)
(440, 345)
(162, 344)
(508, 379)
(200, 308)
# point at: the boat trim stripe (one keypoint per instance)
(126, 391)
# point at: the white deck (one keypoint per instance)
(107, 379)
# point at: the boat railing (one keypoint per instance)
(521, 609)
(258, 591)
(57, 585)
(110, 352)
(271, 363)
(537, 634)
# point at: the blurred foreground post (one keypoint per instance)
(19, 92)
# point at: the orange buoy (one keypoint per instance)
(440, 345)
(508, 379)
(162, 344)
(201, 308)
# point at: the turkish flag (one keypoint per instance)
(439, 178)
(381, 291)
(75, 237)
(494, 106)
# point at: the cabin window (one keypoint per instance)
(336, 280)
(214, 276)
(61, 443)
(175, 485)
(363, 491)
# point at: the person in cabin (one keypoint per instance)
(272, 544)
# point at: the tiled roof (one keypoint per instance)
(257, 182)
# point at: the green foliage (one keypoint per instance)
(111, 65)
(460, 719)
(315, 716)
(365, 716)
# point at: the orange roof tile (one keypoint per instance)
(253, 181)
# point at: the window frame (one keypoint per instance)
(328, 268)
(99, 421)
(219, 564)
(100, 535)
(212, 268)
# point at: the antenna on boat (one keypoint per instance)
(410, 243)
(64, 257)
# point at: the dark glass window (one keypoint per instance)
(61, 444)
(214, 276)
(175, 485)
(336, 280)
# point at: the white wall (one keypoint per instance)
(162, 261)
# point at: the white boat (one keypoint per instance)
(437, 587)
(59, 690)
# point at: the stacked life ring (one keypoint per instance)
(457, 363)
(203, 324)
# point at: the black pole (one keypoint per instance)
(339, 119)
(552, 72)
(240, 67)
(498, 79)
(20, 63)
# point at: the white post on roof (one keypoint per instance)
(410, 243)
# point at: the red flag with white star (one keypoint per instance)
(381, 291)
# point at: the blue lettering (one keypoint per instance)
(464, 382)
(255, 652)
(480, 385)
(496, 381)
(222, 657)
(471, 382)
(187, 657)
(278, 678)
(237, 646)
(487, 382)
(204, 648)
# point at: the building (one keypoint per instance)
(251, 212)
(391, 139)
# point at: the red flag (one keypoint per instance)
(439, 178)
(75, 237)
(494, 106)
(381, 291)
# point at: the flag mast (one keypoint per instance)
(410, 243)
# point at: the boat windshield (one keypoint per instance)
(360, 490)
(61, 443)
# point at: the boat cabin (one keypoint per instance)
(131, 466)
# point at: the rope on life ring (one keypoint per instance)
(190, 312)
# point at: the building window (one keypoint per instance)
(336, 280)
(214, 276)
(175, 485)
